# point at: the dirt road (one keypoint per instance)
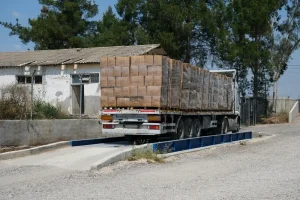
(265, 169)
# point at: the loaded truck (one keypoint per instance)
(153, 95)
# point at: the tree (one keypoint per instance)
(286, 41)
(61, 24)
(109, 31)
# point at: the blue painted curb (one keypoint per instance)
(192, 143)
(74, 143)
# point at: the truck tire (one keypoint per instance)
(180, 130)
(197, 128)
(238, 125)
(224, 129)
(189, 128)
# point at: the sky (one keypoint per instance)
(288, 86)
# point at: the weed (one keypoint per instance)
(243, 143)
(278, 118)
(150, 156)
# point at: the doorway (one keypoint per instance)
(76, 99)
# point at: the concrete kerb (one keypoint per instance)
(33, 151)
(119, 156)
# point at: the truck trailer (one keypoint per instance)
(153, 95)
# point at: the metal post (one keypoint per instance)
(31, 101)
(80, 106)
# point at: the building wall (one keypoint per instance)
(57, 85)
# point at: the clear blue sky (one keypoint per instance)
(289, 84)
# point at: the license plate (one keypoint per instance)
(132, 126)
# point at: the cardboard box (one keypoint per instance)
(157, 80)
(125, 71)
(111, 81)
(154, 71)
(125, 91)
(148, 59)
(133, 91)
(154, 90)
(143, 70)
(123, 61)
(156, 101)
(117, 71)
(111, 61)
(134, 70)
(140, 101)
(118, 91)
(137, 81)
(103, 62)
(104, 101)
(112, 102)
(107, 71)
(137, 60)
(123, 102)
(157, 60)
(108, 92)
(149, 81)
(122, 81)
(141, 91)
(103, 81)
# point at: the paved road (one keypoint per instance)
(72, 158)
(264, 169)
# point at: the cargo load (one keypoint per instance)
(155, 81)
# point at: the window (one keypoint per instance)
(86, 78)
(27, 79)
(95, 78)
(21, 79)
(38, 79)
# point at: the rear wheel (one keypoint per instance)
(189, 129)
(197, 128)
(238, 126)
(224, 129)
(180, 130)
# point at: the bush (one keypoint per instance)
(15, 105)
(278, 118)
(14, 102)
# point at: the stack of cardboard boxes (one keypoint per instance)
(156, 81)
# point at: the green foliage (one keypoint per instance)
(250, 36)
(43, 110)
(61, 24)
(149, 155)
(14, 102)
(15, 105)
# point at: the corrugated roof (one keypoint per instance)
(77, 55)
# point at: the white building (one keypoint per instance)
(56, 73)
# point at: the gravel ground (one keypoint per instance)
(266, 168)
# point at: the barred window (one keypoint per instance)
(86, 78)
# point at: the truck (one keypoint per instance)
(151, 95)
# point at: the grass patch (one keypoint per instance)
(150, 156)
(278, 118)
(243, 143)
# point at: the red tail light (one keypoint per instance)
(108, 126)
(154, 127)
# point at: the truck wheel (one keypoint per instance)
(238, 126)
(189, 128)
(180, 130)
(197, 132)
(224, 129)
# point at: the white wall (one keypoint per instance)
(57, 85)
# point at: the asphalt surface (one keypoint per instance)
(266, 168)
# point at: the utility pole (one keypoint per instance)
(31, 102)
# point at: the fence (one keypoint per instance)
(264, 107)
